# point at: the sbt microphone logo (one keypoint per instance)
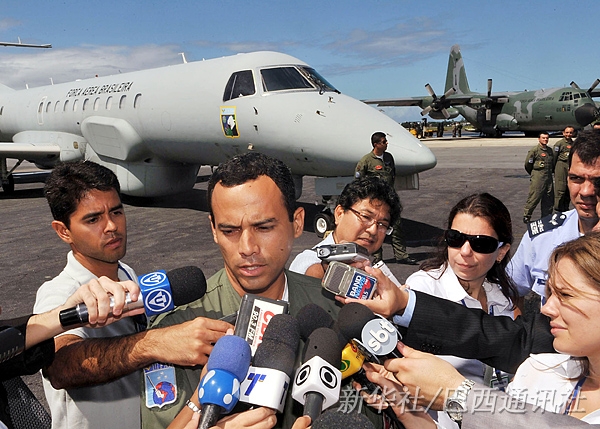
(156, 292)
(361, 286)
(379, 336)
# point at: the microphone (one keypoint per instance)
(318, 381)
(219, 389)
(340, 420)
(372, 334)
(311, 317)
(254, 315)
(268, 378)
(161, 292)
(12, 343)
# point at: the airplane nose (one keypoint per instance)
(586, 114)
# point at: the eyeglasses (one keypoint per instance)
(479, 243)
(367, 221)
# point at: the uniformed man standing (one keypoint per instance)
(539, 164)
(561, 170)
(380, 163)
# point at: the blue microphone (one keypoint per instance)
(219, 390)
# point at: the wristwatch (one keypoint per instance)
(456, 404)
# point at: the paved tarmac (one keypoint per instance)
(170, 232)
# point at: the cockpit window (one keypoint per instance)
(282, 78)
(317, 79)
(298, 77)
(240, 84)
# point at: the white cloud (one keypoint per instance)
(35, 68)
(7, 24)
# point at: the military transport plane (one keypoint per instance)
(528, 111)
(155, 128)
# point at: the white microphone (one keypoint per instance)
(268, 380)
(318, 381)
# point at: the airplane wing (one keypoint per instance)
(29, 151)
(405, 101)
(418, 101)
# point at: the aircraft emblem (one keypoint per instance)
(229, 123)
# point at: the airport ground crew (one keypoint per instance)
(561, 170)
(381, 163)
(459, 129)
(539, 164)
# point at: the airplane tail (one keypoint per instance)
(456, 76)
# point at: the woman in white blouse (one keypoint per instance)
(470, 268)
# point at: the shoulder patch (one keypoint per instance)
(544, 224)
(160, 385)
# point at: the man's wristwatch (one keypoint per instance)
(456, 404)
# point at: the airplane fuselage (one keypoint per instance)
(154, 128)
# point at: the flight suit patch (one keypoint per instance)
(379, 167)
(160, 385)
(544, 224)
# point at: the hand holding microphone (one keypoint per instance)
(160, 292)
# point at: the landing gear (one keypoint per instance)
(8, 186)
(6, 177)
(322, 223)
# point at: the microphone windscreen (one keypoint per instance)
(279, 345)
(352, 318)
(187, 284)
(323, 342)
(311, 317)
(232, 354)
(339, 420)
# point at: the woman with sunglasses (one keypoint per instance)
(469, 268)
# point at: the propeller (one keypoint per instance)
(438, 104)
(591, 88)
(489, 102)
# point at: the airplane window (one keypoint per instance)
(48, 107)
(86, 103)
(240, 84)
(66, 105)
(108, 103)
(136, 101)
(1, 110)
(40, 107)
(75, 105)
(96, 103)
(576, 96)
(122, 101)
(281, 78)
(317, 79)
(56, 106)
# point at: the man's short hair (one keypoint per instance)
(587, 147)
(377, 137)
(244, 168)
(371, 188)
(69, 183)
(543, 133)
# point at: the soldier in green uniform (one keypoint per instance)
(380, 163)
(561, 170)
(254, 218)
(539, 164)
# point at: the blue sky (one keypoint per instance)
(367, 49)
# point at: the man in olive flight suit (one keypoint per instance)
(561, 170)
(539, 164)
(380, 163)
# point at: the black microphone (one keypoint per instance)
(374, 335)
(311, 317)
(268, 378)
(160, 292)
(12, 343)
(318, 381)
(338, 420)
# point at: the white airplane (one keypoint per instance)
(155, 128)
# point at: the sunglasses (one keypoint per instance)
(479, 243)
